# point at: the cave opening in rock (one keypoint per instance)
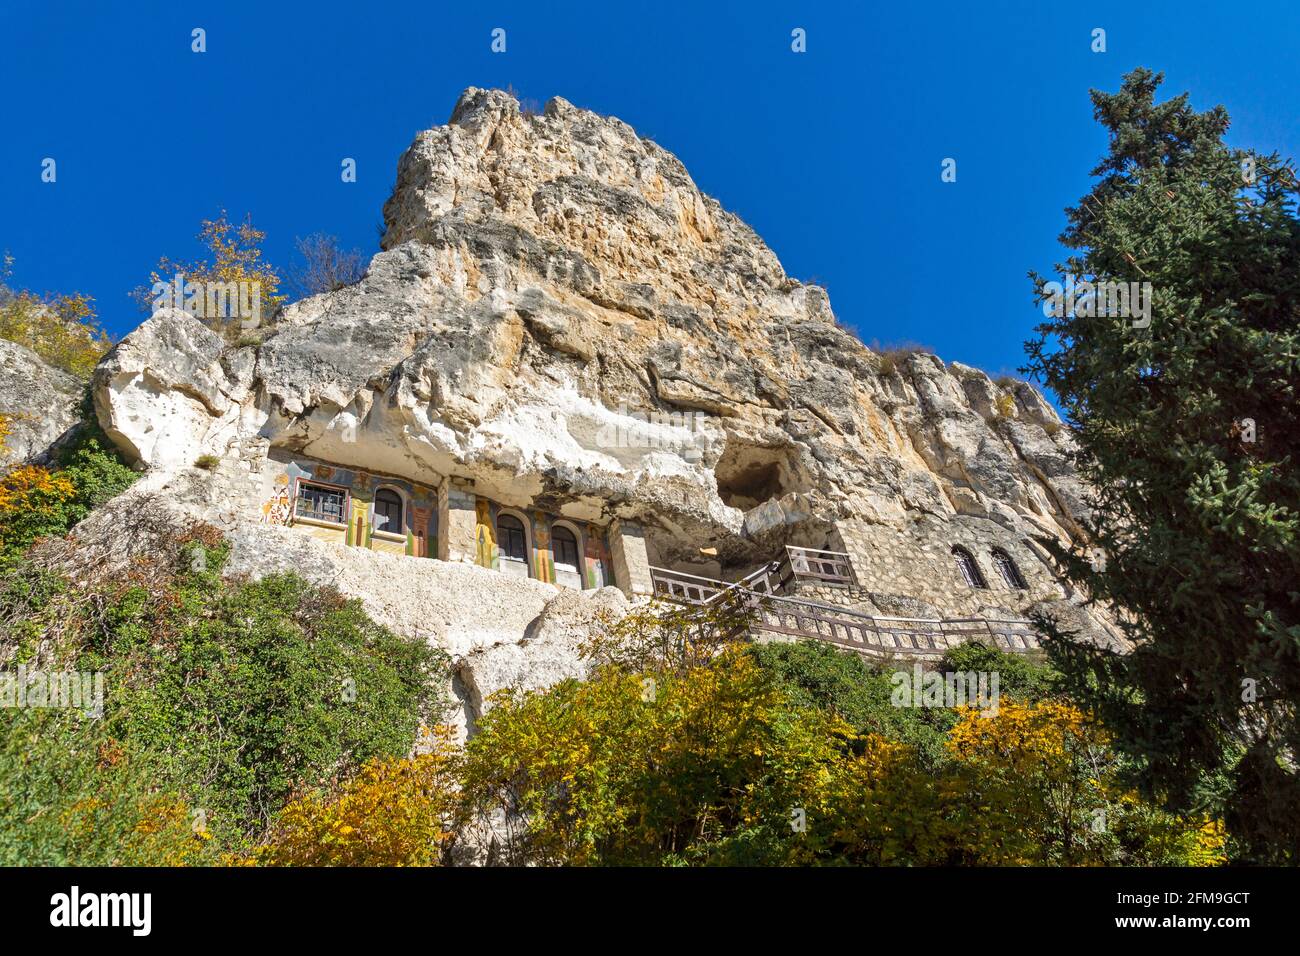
(748, 475)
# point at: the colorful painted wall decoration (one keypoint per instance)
(543, 563)
(539, 525)
(348, 518)
(485, 534)
(417, 536)
(276, 509)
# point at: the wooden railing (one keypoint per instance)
(794, 617)
(817, 566)
(877, 635)
(694, 589)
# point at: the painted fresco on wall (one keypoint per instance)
(276, 509)
(419, 511)
(418, 541)
(543, 561)
(597, 558)
(485, 534)
(420, 520)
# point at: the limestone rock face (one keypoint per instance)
(562, 316)
(548, 652)
(38, 402)
(560, 322)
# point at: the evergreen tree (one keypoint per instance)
(1187, 429)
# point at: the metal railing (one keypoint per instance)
(869, 634)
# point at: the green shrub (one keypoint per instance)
(70, 795)
(96, 473)
(1019, 675)
(815, 674)
(234, 694)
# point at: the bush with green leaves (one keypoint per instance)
(235, 694)
(816, 675)
(85, 473)
(71, 795)
(859, 691)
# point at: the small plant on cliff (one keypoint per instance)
(893, 356)
(324, 266)
(62, 329)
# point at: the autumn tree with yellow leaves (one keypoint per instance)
(62, 329)
(234, 255)
(392, 813)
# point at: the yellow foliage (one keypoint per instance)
(1051, 768)
(1025, 739)
(30, 489)
(234, 255)
(162, 834)
(62, 330)
(647, 768)
(393, 813)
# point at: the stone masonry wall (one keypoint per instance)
(894, 563)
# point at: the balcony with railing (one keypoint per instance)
(763, 595)
(877, 635)
(816, 566)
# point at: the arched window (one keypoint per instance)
(388, 511)
(565, 548)
(1007, 568)
(970, 571)
(511, 540)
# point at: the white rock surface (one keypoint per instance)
(39, 403)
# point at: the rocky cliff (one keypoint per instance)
(562, 320)
(39, 403)
(544, 279)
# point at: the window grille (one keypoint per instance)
(321, 503)
(1007, 568)
(970, 571)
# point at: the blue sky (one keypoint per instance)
(833, 156)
